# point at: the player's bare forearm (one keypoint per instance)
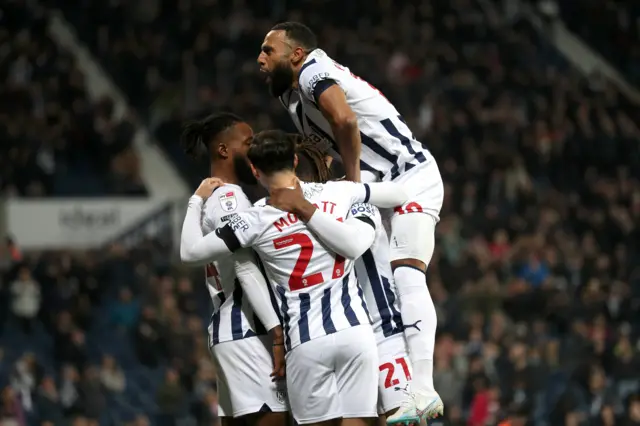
(305, 210)
(278, 352)
(277, 335)
(292, 200)
(333, 104)
(349, 144)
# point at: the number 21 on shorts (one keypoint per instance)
(391, 378)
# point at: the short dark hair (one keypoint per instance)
(299, 33)
(273, 151)
(199, 134)
(312, 165)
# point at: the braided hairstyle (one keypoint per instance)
(198, 135)
(312, 165)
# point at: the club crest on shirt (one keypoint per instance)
(228, 201)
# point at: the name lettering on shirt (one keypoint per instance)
(282, 223)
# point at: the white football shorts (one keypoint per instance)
(334, 376)
(413, 223)
(394, 373)
(244, 383)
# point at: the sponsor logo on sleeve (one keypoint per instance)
(237, 223)
(226, 218)
(228, 201)
(362, 209)
(316, 79)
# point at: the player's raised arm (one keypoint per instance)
(318, 83)
(344, 124)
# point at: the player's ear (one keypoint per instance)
(297, 55)
(295, 161)
(255, 171)
(223, 150)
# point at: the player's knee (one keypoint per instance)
(411, 280)
(413, 263)
(412, 239)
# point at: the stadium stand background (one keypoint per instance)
(535, 275)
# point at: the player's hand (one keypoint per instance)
(207, 187)
(278, 362)
(288, 199)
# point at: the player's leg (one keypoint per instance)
(412, 244)
(394, 376)
(225, 411)
(415, 232)
(246, 365)
(311, 382)
(356, 367)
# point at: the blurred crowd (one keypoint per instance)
(611, 27)
(55, 139)
(535, 274)
(111, 337)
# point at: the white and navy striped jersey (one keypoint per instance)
(233, 317)
(373, 271)
(388, 146)
(316, 290)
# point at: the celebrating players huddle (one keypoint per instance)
(307, 278)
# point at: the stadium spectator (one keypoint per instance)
(111, 375)
(171, 399)
(147, 338)
(48, 402)
(124, 313)
(26, 299)
(92, 396)
(11, 412)
(70, 391)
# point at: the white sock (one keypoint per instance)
(420, 321)
(423, 376)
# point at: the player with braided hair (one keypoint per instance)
(245, 329)
(312, 161)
